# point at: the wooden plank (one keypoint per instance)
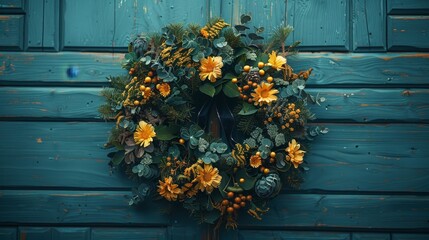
(408, 33)
(357, 105)
(51, 24)
(291, 235)
(129, 234)
(369, 25)
(34, 25)
(321, 24)
(96, 207)
(73, 151)
(71, 233)
(52, 67)
(11, 4)
(7, 233)
(227, 10)
(88, 24)
(329, 68)
(409, 236)
(385, 157)
(407, 7)
(344, 211)
(11, 32)
(36, 233)
(371, 236)
(268, 14)
(352, 157)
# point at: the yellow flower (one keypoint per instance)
(295, 156)
(204, 32)
(189, 190)
(264, 94)
(207, 178)
(168, 190)
(275, 61)
(255, 161)
(164, 89)
(211, 68)
(144, 134)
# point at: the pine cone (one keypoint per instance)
(268, 186)
(253, 76)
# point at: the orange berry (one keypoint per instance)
(242, 204)
(270, 79)
(148, 80)
(245, 88)
(132, 69)
(243, 198)
(246, 68)
(266, 171)
(272, 154)
(168, 158)
(237, 199)
(230, 194)
(150, 74)
(142, 88)
(249, 197)
(261, 64)
(230, 209)
(258, 153)
(182, 141)
(136, 102)
(225, 202)
(236, 206)
(261, 72)
(234, 80)
(242, 180)
(168, 164)
(254, 85)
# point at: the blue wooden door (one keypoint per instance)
(368, 177)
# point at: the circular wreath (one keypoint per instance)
(211, 117)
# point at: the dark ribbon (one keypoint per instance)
(223, 114)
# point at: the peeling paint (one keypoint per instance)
(39, 140)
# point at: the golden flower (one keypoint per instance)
(275, 61)
(295, 156)
(211, 68)
(164, 89)
(144, 134)
(189, 190)
(264, 94)
(168, 190)
(255, 161)
(208, 178)
(204, 32)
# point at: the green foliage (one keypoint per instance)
(278, 38)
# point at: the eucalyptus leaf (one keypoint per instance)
(254, 36)
(245, 18)
(240, 28)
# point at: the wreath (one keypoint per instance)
(211, 117)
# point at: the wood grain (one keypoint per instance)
(352, 157)
(369, 25)
(34, 25)
(329, 68)
(78, 207)
(408, 33)
(11, 4)
(356, 105)
(51, 25)
(11, 34)
(407, 7)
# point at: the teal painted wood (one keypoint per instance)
(12, 4)
(407, 33)
(369, 25)
(356, 105)
(11, 34)
(329, 68)
(409, 236)
(321, 24)
(35, 233)
(88, 23)
(73, 149)
(71, 233)
(352, 157)
(302, 210)
(129, 234)
(8, 233)
(371, 236)
(51, 24)
(290, 235)
(227, 10)
(368, 212)
(90, 207)
(52, 67)
(34, 25)
(407, 7)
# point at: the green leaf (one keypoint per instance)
(228, 76)
(248, 109)
(255, 36)
(166, 133)
(231, 90)
(118, 157)
(208, 89)
(249, 181)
